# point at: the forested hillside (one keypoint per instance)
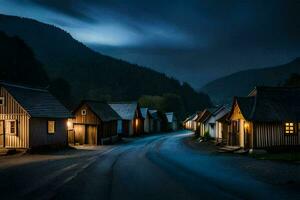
(241, 83)
(93, 75)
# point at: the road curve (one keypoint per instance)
(153, 167)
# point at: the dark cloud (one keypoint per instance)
(195, 40)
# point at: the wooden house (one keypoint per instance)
(172, 121)
(156, 121)
(202, 126)
(94, 123)
(132, 119)
(222, 129)
(269, 117)
(148, 120)
(213, 126)
(31, 117)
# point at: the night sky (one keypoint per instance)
(195, 41)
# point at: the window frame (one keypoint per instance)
(54, 127)
(3, 101)
(290, 128)
(83, 112)
(8, 127)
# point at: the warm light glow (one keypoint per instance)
(246, 125)
(69, 125)
(289, 128)
(136, 122)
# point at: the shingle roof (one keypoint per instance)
(37, 102)
(102, 110)
(246, 105)
(125, 110)
(271, 104)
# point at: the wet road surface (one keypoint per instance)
(153, 167)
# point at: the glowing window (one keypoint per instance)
(51, 127)
(289, 128)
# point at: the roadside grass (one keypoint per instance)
(286, 156)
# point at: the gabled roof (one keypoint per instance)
(155, 114)
(144, 112)
(37, 102)
(102, 110)
(271, 104)
(125, 110)
(170, 117)
(205, 114)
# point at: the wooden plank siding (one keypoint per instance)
(272, 135)
(39, 136)
(12, 110)
(86, 124)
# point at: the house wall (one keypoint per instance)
(272, 135)
(39, 135)
(11, 110)
(147, 124)
(240, 135)
(89, 118)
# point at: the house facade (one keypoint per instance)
(267, 118)
(31, 117)
(131, 116)
(148, 120)
(213, 126)
(156, 123)
(172, 121)
(94, 123)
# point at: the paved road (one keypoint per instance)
(154, 167)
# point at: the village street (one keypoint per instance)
(152, 167)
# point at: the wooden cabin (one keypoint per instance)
(132, 119)
(202, 126)
(269, 117)
(148, 120)
(94, 123)
(211, 121)
(222, 129)
(31, 117)
(172, 121)
(156, 121)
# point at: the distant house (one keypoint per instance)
(202, 126)
(269, 117)
(148, 121)
(214, 128)
(132, 119)
(172, 121)
(95, 123)
(156, 121)
(31, 117)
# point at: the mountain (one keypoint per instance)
(18, 63)
(91, 74)
(241, 83)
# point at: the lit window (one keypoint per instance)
(11, 127)
(83, 112)
(1, 101)
(289, 128)
(51, 127)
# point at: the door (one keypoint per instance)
(235, 133)
(2, 134)
(91, 135)
(79, 134)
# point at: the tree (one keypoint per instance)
(61, 89)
